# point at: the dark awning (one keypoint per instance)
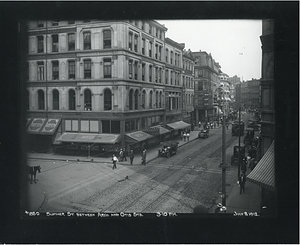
(137, 136)
(50, 126)
(89, 138)
(36, 125)
(178, 125)
(161, 129)
(264, 172)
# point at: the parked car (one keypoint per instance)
(168, 149)
(203, 134)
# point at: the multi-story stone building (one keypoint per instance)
(254, 93)
(188, 87)
(264, 172)
(101, 84)
(206, 80)
(244, 95)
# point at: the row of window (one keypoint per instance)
(87, 69)
(71, 100)
(155, 100)
(107, 72)
(132, 45)
(141, 24)
(110, 126)
(151, 29)
(42, 24)
(71, 41)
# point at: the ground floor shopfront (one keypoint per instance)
(93, 136)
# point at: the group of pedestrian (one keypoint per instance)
(247, 162)
(185, 135)
(123, 154)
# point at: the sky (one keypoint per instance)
(234, 44)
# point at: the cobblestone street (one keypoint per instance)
(175, 184)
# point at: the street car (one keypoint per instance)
(203, 134)
(249, 136)
(168, 149)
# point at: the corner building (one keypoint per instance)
(101, 84)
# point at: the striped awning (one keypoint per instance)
(264, 172)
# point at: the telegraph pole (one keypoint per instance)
(224, 166)
(239, 155)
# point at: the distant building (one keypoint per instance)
(188, 86)
(206, 81)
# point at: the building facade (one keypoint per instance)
(188, 87)
(109, 79)
(206, 81)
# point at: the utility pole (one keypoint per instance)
(239, 155)
(223, 165)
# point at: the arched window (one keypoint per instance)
(150, 99)
(131, 99)
(87, 100)
(156, 99)
(107, 100)
(27, 100)
(41, 100)
(136, 100)
(55, 99)
(71, 99)
(143, 99)
(106, 39)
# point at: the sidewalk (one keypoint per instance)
(236, 202)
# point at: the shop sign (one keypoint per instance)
(36, 124)
(51, 125)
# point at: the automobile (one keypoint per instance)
(254, 124)
(235, 156)
(249, 136)
(237, 128)
(203, 134)
(168, 149)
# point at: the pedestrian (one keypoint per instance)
(242, 182)
(181, 135)
(248, 161)
(227, 124)
(144, 154)
(199, 124)
(114, 161)
(184, 136)
(124, 154)
(121, 155)
(244, 166)
(188, 136)
(131, 156)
